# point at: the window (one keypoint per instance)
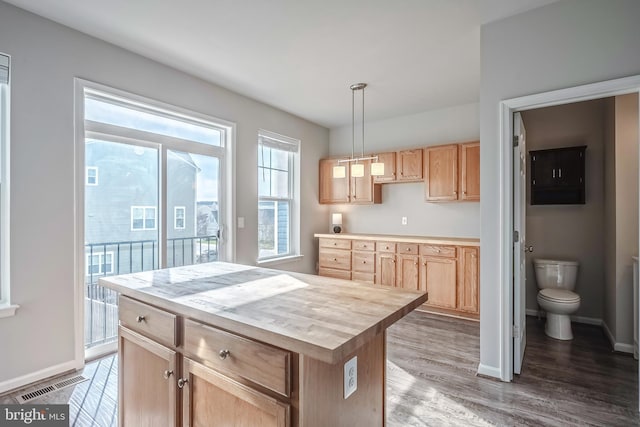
(92, 175)
(6, 309)
(277, 196)
(100, 263)
(178, 217)
(143, 217)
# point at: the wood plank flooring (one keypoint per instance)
(431, 381)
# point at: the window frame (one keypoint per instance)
(175, 217)
(144, 218)
(101, 257)
(292, 146)
(93, 168)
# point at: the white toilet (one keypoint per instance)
(556, 280)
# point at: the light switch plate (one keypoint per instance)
(240, 222)
(404, 220)
(350, 377)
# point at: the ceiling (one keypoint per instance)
(302, 55)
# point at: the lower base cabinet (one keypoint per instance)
(438, 278)
(212, 399)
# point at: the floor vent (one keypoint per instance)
(35, 394)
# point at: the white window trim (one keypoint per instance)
(6, 308)
(175, 217)
(94, 168)
(293, 145)
(144, 218)
(101, 256)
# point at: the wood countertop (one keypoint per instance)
(458, 241)
(321, 317)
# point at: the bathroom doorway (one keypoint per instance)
(510, 169)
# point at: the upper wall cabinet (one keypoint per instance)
(389, 160)
(558, 176)
(409, 165)
(346, 189)
(452, 172)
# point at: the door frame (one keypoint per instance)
(507, 107)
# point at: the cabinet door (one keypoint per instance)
(543, 169)
(468, 284)
(389, 160)
(441, 173)
(569, 167)
(386, 269)
(407, 272)
(362, 187)
(212, 399)
(438, 278)
(409, 165)
(146, 382)
(333, 190)
(469, 171)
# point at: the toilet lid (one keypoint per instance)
(559, 295)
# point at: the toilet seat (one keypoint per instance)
(559, 296)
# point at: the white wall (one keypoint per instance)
(453, 219)
(571, 232)
(45, 59)
(560, 45)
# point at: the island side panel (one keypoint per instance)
(322, 401)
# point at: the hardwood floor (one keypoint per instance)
(431, 381)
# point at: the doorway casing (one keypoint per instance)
(506, 110)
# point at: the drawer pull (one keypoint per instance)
(167, 374)
(408, 249)
(224, 354)
(335, 259)
(335, 243)
(182, 382)
(140, 319)
(438, 250)
(364, 262)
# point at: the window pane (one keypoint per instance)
(279, 184)
(105, 112)
(266, 229)
(283, 227)
(193, 188)
(264, 156)
(280, 159)
(264, 182)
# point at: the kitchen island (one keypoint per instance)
(225, 344)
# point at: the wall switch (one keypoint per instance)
(240, 222)
(350, 377)
(404, 220)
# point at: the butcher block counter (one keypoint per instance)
(225, 344)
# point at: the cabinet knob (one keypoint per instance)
(424, 263)
(455, 192)
(438, 250)
(415, 263)
(408, 249)
(335, 243)
(182, 382)
(140, 319)
(335, 259)
(393, 261)
(223, 354)
(464, 192)
(364, 262)
(167, 374)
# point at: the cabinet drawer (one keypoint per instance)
(337, 274)
(407, 248)
(148, 320)
(386, 247)
(363, 262)
(262, 364)
(363, 245)
(363, 277)
(438, 250)
(335, 243)
(334, 258)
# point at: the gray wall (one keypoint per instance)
(45, 59)
(453, 219)
(621, 216)
(560, 45)
(572, 232)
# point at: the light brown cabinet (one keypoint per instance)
(452, 172)
(469, 155)
(333, 190)
(449, 273)
(409, 165)
(389, 161)
(147, 393)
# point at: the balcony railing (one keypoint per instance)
(112, 258)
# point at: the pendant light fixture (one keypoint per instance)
(357, 168)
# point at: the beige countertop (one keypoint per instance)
(320, 317)
(458, 241)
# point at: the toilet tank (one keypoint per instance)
(558, 274)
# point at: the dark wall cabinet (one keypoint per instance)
(557, 176)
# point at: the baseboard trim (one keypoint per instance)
(577, 319)
(488, 371)
(617, 346)
(19, 382)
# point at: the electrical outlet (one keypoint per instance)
(350, 377)
(404, 220)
